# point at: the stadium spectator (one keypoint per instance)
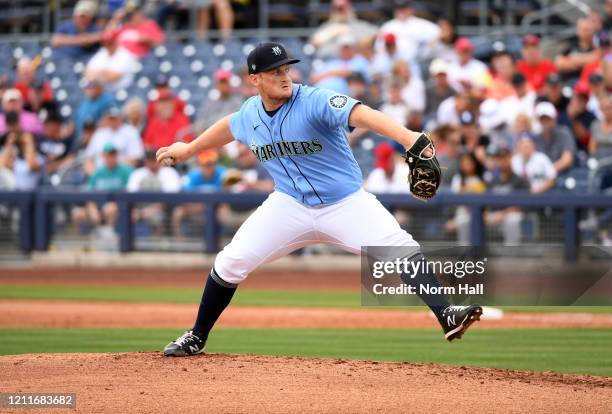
(472, 140)
(228, 102)
(390, 172)
(335, 72)
(494, 123)
(80, 37)
(124, 138)
(12, 101)
(224, 17)
(137, 33)
(53, 145)
(94, 104)
(167, 125)
(413, 91)
(26, 82)
(111, 175)
(502, 70)
(413, 33)
(152, 177)
(581, 51)
(468, 180)
(534, 166)
(208, 177)
(450, 109)
(134, 113)
(506, 182)
(162, 88)
(39, 101)
(578, 118)
(342, 21)
(395, 106)
(597, 65)
(533, 65)
(173, 10)
(600, 145)
(438, 89)
(113, 65)
(358, 89)
(18, 154)
(555, 141)
(7, 178)
(466, 72)
(522, 102)
(444, 47)
(384, 59)
(555, 93)
(448, 150)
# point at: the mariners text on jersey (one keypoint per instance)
(286, 148)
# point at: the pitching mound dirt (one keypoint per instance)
(147, 382)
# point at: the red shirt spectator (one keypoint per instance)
(26, 78)
(139, 34)
(162, 88)
(167, 125)
(534, 66)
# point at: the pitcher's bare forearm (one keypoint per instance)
(216, 136)
(363, 116)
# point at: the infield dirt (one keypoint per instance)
(148, 382)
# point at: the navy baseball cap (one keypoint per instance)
(268, 56)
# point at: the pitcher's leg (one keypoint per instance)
(361, 220)
(277, 227)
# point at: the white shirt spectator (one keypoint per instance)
(25, 178)
(399, 111)
(414, 94)
(537, 170)
(513, 106)
(474, 72)
(377, 182)
(122, 61)
(447, 112)
(143, 179)
(412, 34)
(126, 139)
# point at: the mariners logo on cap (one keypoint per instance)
(277, 50)
(338, 101)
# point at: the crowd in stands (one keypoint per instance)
(519, 121)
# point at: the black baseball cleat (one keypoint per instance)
(456, 319)
(186, 345)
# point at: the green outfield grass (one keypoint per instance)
(244, 297)
(565, 350)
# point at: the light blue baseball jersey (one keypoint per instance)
(304, 145)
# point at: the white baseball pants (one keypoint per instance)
(281, 225)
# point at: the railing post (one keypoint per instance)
(124, 225)
(571, 233)
(211, 228)
(477, 226)
(41, 218)
(25, 225)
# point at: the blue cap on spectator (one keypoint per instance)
(109, 148)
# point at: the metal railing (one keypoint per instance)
(35, 213)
